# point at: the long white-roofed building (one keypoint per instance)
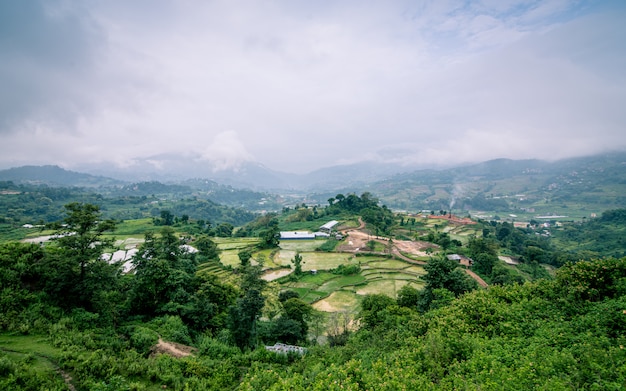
(328, 227)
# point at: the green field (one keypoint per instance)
(301, 245)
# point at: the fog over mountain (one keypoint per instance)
(298, 86)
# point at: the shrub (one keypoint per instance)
(142, 339)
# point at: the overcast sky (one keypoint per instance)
(297, 85)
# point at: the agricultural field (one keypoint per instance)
(336, 292)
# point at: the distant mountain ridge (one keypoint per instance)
(398, 186)
(54, 176)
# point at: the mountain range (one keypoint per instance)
(597, 182)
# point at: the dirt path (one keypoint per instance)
(476, 277)
(67, 378)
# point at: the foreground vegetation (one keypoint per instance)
(563, 334)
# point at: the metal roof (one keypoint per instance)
(296, 235)
(329, 225)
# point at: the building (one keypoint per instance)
(296, 235)
(328, 227)
(282, 348)
(461, 259)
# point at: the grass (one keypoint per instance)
(235, 243)
(338, 301)
(30, 347)
(301, 245)
(315, 261)
(388, 264)
(230, 258)
(135, 227)
(341, 282)
(387, 286)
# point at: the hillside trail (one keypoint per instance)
(476, 277)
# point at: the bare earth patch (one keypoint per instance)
(172, 349)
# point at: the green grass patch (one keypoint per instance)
(312, 296)
(300, 245)
(389, 287)
(317, 279)
(339, 301)
(235, 243)
(37, 344)
(388, 264)
(416, 269)
(8, 233)
(315, 261)
(135, 227)
(230, 258)
(341, 282)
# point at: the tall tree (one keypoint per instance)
(244, 314)
(75, 272)
(164, 275)
(297, 263)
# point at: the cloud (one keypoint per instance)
(226, 152)
(49, 59)
(299, 85)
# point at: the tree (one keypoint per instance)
(224, 230)
(270, 237)
(209, 305)
(444, 273)
(243, 315)
(244, 257)
(207, 248)
(297, 262)
(167, 218)
(298, 310)
(84, 241)
(373, 309)
(164, 275)
(75, 272)
(484, 253)
(408, 297)
(287, 294)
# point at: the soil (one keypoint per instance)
(172, 348)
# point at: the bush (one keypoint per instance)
(216, 349)
(173, 329)
(142, 339)
(347, 270)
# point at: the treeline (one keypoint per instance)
(29, 204)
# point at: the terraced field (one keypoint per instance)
(335, 292)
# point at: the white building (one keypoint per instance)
(328, 227)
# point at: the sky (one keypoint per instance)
(298, 85)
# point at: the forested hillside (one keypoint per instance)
(41, 204)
